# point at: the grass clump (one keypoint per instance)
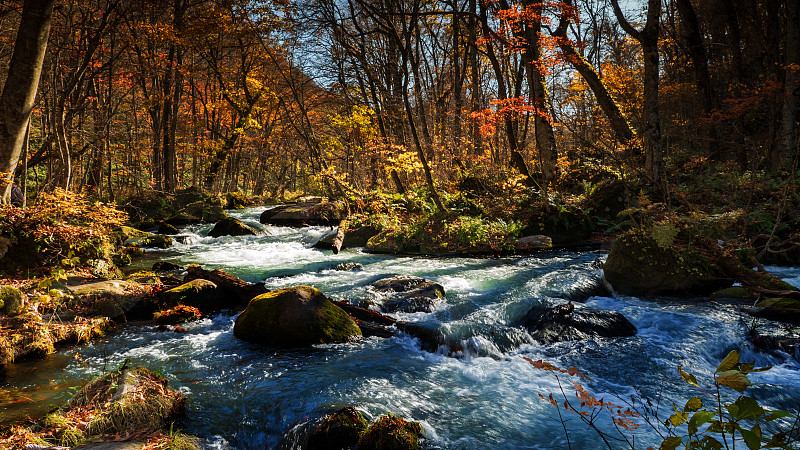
(123, 404)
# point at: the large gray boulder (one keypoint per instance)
(115, 299)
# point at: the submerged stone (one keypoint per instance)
(294, 317)
(348, 267)
(732, 292)
(165, 266)
(779, 309)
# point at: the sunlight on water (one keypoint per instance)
(244, 396)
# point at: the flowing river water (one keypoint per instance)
(242, 396)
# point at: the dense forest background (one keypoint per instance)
(312, 96)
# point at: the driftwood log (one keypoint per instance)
(339, 239)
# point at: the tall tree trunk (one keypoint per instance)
(697, 53)
(734, 39)
(173, 91)
(791, 87)
(517, 161)
(458, 79)
(702, 78)
(616, 118)
(475, 99)
(648, 38)
(22, 83)
(532, 57)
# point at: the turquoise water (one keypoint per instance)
(243, 396)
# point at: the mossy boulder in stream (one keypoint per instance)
(391, 433)
(199, 293)
(780, 309)
(339, 430)
(141, 239)
(638, 265)
(231, 227)
(294, 317)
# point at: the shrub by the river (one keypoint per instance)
(62, 228)
(718, 424)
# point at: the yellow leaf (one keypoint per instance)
(729, 362)
(734, 379)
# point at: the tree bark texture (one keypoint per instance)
(22, 83)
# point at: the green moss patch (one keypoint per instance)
(391, 433)
(341, 429)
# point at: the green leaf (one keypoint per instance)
(710, 443)
(772, 415)
(752, 439)
(734, 379)
(729, 362)
(693, 404)
(671, 443)
(749, 368)
(687, 377)
(745, 408)
(699, 418)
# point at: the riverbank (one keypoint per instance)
(480, 316)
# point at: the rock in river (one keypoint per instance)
(408, 294)
(294, 317)
(564, 322)
(339, 430)
(637, 265)
(202, 294)
(304, 214)
(391, 433)
(231, 227)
